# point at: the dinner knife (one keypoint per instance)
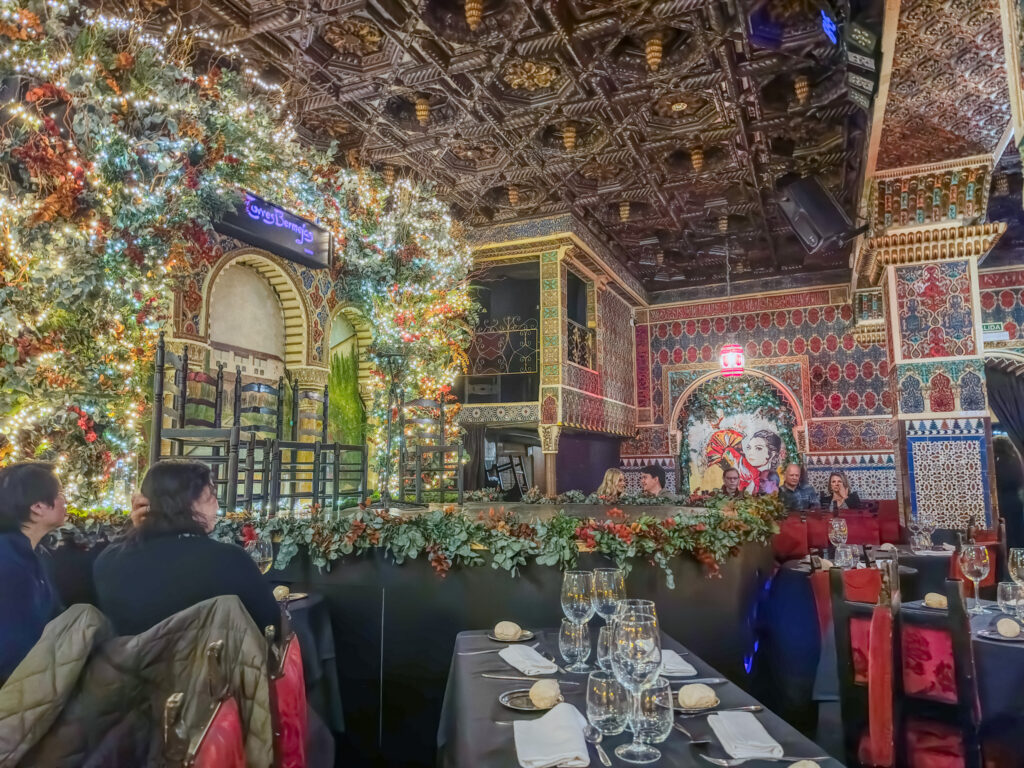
(493, 676)
(705, 680)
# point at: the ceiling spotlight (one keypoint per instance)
(569, 136)
(678, 106)
(653, 51)
(422, 110)
(474, 13)
(624, 211)
(513, 195)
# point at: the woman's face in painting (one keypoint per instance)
(757, 452)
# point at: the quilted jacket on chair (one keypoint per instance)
(83, 697)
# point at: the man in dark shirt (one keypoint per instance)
(796, 493)
(31, 505)
(652, 481)
(731, 483)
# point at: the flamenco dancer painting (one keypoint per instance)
(743, 442)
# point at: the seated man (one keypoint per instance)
(731, 483)
(652, 481)
(796, 493)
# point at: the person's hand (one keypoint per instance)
(140, 506)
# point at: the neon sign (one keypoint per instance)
(268, 226)
(828, 25)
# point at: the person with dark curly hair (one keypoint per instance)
(168, 562)
(31, 505)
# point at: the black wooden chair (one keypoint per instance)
(433, 461)
(342, 474)
(309, 414)
(260, 405)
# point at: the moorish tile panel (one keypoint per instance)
(948, 386)
(934, 310)
(872, 476)
(851, 435)
(649, 441)
(631, 468)
(643, 367)
(615, 334)
(1002, 301)
(948, 471)
(948, 194)
(500, 413)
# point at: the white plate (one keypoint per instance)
(698, 710)
(991, 634)
(527, 635)
(519, 700)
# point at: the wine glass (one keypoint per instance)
(609, 588)
(915, 532)
(574, 645)
(927, 527)
(636, 659)
(975, 565)
(604, 647)
(837, 531)
(578, 607)
(262, 551)
(1015, 567)
(633, 605)
(607, 703)
(655, 712)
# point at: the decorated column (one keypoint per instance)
(929, 283)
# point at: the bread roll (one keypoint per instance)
(1008, 628)
(281, 593)
(935, 600)
(545, 693)
(697, 696)
(507, 630)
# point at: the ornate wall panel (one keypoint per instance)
(595, 414)
(615, 340)
(649, 441)
(500, 413)
(631, 468)
(872, 476)
(935, 310)
(942, 387)
(643, 368)
(943, 195)
(948, 470)
(1002, 301)
(851, 435)
(550, 318)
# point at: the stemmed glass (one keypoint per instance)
(1015, 566)
(578, 607)
(927, 527)
(837, 531)
(975, 565)
(915, 532)
(262, 551)
(636, 660)
(609, 589)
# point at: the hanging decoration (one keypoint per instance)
(118, 157)
(653, 51)
(731, 358)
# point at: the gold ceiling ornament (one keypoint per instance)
(513, 195)
(353, 157)
(389, 174)
(659, 257)
(569, 136)
(624, 211)
(723, 224)
(356, 37)
(653, 51)
(524, 75)
(474, 13)
(422, 110)
(697, 159)
(802, 87)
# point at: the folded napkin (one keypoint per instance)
(554, 739)
(675, 665)
(937, 552)
(742, 736)
(527, 660)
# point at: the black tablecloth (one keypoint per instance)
(312, 624)
(932, 572)
(998, 665)
(468, 737)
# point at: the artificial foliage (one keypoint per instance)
(500, 538)
(719, 397)
(119, 152)
(347, 417)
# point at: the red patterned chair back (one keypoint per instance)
(288, 702)
(221, 744)
(790, 542)
(862, 528)
(864, 606)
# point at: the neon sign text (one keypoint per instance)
(275, 217)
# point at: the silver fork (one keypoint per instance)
(729, 762)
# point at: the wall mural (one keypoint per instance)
(735, 423)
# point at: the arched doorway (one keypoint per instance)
(752, 423)
(348, 380)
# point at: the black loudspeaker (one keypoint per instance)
(817, 219)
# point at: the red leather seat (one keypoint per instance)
(288, 698)
(222, 744)
(862, 529)
(790, 542)
(889, 521)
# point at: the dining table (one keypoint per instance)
(473, 729)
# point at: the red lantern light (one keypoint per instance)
(732, 360)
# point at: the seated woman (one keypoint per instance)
(839, 495)
(167, 562)
(31, 505)
(612, 486)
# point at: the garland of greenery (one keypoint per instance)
(450, 538)
(117, 156)
(719, 396)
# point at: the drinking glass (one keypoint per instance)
(927, 527)
(837, 531)
(607, 703)
(975, 565)
(578, 607)
(915, 533)
(1008, 596)
(1015, 567)
(633, 605)
(574, 645)
(845, 557)
(636, 659)
(609, 588)
(604, 647)
(655, 712)
(262, 551)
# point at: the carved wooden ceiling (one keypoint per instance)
(948, 96)
(661, 124)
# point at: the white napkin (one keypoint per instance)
(554, 739)
(936, 552)
(742, 736)
(675, 665)
(527, 660)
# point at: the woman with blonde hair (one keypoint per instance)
(613, 485)
(839, 496)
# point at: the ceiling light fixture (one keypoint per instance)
(422, 110)
(624, 211)
(513, 195)
(653, 51)
(474, 13)
(569, 136)
(697, 159)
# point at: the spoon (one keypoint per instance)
(594, 736)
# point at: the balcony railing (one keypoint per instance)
(507, 345)
(582, 345)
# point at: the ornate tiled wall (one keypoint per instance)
(948, 466)
(872, 476)
(944, 195)
(1002, 301)
(935, 310)
(615, 347)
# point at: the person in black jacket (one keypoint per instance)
(839, 495)
(31, 505)
(168, 562)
